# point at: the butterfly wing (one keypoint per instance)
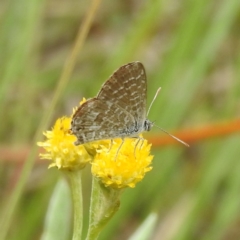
(127, 89)
(95, 120)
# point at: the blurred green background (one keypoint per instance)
(190, 48)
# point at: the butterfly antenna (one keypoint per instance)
(179, 140)
(153, 100)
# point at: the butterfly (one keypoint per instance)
(118, 110)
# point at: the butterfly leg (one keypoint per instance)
(110, 146)
(119, 149)
(141, 143)
(139, 139)
(136, 146)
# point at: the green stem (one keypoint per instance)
(76, 187)
(104, 204)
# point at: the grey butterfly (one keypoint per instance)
(119, 109)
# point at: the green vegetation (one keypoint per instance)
(190, 48)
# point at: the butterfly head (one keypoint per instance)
(148, 125)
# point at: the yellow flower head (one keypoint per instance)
(124, 167)
(60, 147)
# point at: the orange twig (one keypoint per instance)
(189, 136)
(193, 135)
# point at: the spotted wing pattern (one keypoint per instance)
(127, 89)
(119, 110)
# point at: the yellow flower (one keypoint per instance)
(60, 147)
(124, 167)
